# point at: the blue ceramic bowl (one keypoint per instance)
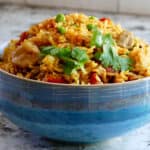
(75, 113)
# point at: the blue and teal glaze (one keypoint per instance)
(75, 113)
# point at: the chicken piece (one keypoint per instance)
(126, 40)
(26, 55)
(141, 59)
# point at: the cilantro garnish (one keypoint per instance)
(109, 56)
(72, 59)
(79, 55)
(49, 50)
(126, 63)
(90, 27)
(97, 38)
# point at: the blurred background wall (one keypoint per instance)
(140, 7)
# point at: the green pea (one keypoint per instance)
(90, 27)
(92, 17)
(61, 30)
(60, 18)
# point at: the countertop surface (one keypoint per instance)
(14, 20)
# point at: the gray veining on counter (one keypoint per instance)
(15, 19)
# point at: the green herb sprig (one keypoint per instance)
(73, 59)
(109, 56)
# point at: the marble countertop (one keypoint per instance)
(15, 19)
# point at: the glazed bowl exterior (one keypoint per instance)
(75, 113)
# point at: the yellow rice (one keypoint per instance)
(76, 35)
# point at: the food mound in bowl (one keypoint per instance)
(77, 49)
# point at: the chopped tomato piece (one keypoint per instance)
(23, 36)
(55, 79)
(104, 19)
(95, 79)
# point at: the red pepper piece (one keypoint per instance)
(55, 79)
(95, 79)
(23, 36)
(104, 19)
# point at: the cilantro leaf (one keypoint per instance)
(64, 52)
(97, 38)
(126, 63)
(91, 27)
(72, 59)
(109, 56)
(71, 65)
(107, 39)
(79, 55)
(97, 55)
(76, 61)
(49, 50)
(67, 69)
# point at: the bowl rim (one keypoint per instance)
(73, 85)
